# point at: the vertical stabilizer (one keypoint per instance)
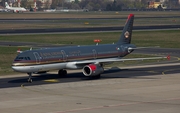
(125, 37)
(6, 4)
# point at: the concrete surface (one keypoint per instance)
(147, 94)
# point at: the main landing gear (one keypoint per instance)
(62, 73)
(30, 77)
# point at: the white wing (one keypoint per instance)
(116, 60)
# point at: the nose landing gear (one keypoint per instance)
(30, 77)
(61, 73)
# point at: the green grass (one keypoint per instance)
(95, 14)
(91, 23)
(7, 54)
(163, 38)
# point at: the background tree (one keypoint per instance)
(160, 7)
(54, 4)
(47, 5)
(89, 7)
(144, 3)
(61, 3)
(39, 4)
(2, 3)
(76, 1)
(172, 4)
(114, 6)
(74, 5)
(109, 7)
(94, 4)
(137, 4)
(24, 3)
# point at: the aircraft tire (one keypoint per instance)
(29, 80)
(62, 73)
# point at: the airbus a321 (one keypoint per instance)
(15, 9)
(89, 58)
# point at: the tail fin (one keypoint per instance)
(6, 4)
(125, 37)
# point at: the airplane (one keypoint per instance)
(15, 9)
(3, 10)
(89, 58)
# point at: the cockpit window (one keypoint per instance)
(22, 58)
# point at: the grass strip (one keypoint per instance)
(162, 38)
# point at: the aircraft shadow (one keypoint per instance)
(75, 77)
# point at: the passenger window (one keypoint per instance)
(20, 58)
(28, 58)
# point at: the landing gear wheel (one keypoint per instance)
(29, 80)
(62, 73)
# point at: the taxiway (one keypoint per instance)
(148, 89)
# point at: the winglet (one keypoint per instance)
(6, 4)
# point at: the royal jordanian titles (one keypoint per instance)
(90, 58)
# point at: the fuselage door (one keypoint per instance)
(64, 56)
(94, 53)
(38, 59)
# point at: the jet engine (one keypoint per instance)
(92, 70)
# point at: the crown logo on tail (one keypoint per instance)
(126, 34)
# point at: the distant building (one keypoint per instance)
(155, 5)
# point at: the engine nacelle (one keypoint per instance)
(92, 70)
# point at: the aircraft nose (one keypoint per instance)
(19, 69)
(14, 68)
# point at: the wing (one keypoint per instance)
(94, 61)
